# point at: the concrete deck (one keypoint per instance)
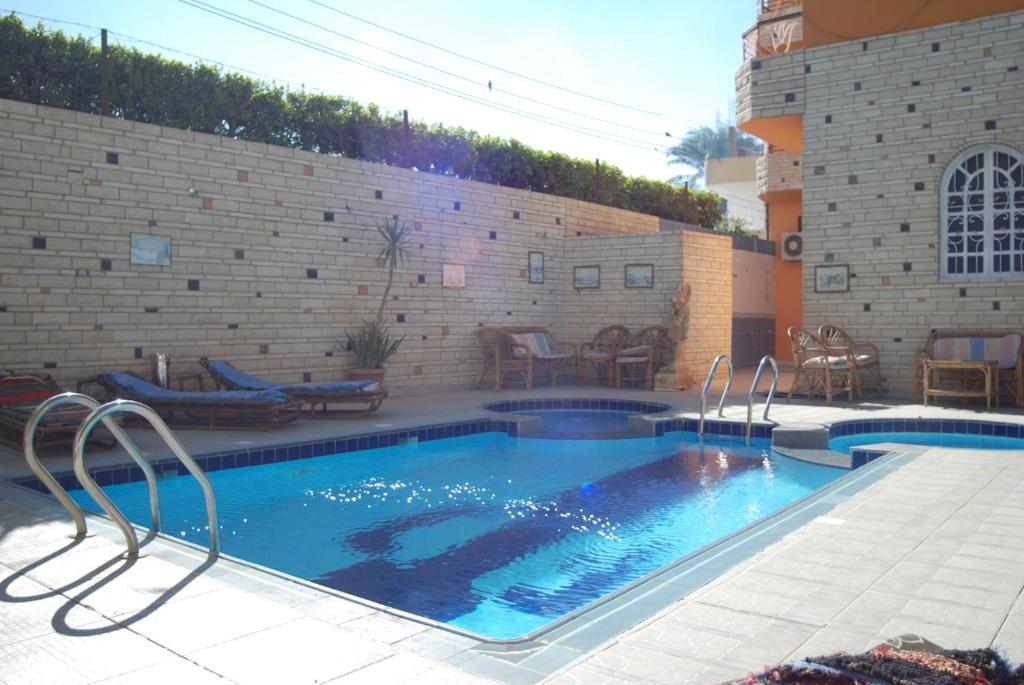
(932, 547)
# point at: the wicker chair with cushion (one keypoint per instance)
(864, 355)
(645, 354)
(817, 367)
(958, 355)
(367, 394)
(503, 357)
(224, 408)
(21, 393)
(549, 355)
(600, 352)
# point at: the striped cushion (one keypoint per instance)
(977, 349)
(537, 343)
(24, 388)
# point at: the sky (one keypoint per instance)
(640, 69)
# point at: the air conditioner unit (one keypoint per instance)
(792, 245)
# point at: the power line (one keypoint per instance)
(460, 77)
(501, 69)
(338, 54)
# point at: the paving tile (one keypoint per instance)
(400, 667)
(314, 652)
(192, 623)
(177, 670)
(629, 661)
(27, 610)
(436, 644)
(65, 660)
(335, 610)
(384, 627)
(587, 673)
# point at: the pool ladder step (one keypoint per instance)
(766, 361)
(103, 414)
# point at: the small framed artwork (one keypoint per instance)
(151, 250)
(536, 267)
(453, 275)
(834, 278)
(585, 277)
(639, 275)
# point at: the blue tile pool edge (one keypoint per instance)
(508, 424)
(919, 425)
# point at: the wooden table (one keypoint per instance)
(988, 369)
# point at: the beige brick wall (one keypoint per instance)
(778, 171)
(862, 202)
(588, 311)
(250, 235)
(753, 278)
(708, 268)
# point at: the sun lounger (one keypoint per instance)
(21, 393)
(228, 409)
(369, 393)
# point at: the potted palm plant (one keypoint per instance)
(372, 343)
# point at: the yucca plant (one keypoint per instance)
(372, 343)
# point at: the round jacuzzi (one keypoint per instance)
(577, 419)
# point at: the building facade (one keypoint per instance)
(895, 150)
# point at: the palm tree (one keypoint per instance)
(708, 141)
(396, 240)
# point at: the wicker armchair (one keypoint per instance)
(645, 354)
(549, 355)
(500, 358)
(864, 356)
(600, 352)
(818, 367)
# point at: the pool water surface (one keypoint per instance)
(985, 442)
(492, 534)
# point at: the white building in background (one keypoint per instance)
(735, 179)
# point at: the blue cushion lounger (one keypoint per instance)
(240, 409)
(228, 376)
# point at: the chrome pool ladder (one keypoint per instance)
(769, 360)
(103, 414)
(707, 387)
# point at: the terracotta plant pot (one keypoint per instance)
(376, 375)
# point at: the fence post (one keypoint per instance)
(104, 75)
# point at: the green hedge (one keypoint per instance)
(49, 68)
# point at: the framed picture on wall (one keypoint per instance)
(639, 275)
(833, 278)
(536, 267)
(453, 275)
(151, 250)
(586, 277)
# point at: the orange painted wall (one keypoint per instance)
(828, 21)
(789, 288)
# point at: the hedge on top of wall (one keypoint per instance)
(55, 70)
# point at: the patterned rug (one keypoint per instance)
(903, 660)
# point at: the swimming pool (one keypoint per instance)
(488, 533)
(985, 442)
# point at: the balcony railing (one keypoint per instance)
(775, 35)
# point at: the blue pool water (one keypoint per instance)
(489, 533)
(581, 424)
(987, 442)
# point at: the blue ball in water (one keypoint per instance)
(589, 489)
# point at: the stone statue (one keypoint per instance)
(675, 376)
(679, 314)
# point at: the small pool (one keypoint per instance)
(489, 533)
(578, 424)
(986, 442)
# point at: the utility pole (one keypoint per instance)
(405, 138)
(597, 181)
(686, 201)
(104, 75)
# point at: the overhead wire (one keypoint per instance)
(334, 52)
(446, 72)
(501, 69)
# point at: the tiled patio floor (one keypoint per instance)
(933, 547)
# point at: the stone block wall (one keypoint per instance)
(273, 254)
(708, 268)
(884, 118)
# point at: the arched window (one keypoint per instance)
(983, 214)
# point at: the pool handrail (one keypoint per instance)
(707, 387)
(132, 407)
(767, 359)
(51, 483)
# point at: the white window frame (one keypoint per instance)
(988, 273)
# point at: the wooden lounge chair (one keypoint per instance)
(817, 368)
(864, 356)
(234, 409)
(367, 393)
(21, 393)
(500, 358)
(599, 353)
